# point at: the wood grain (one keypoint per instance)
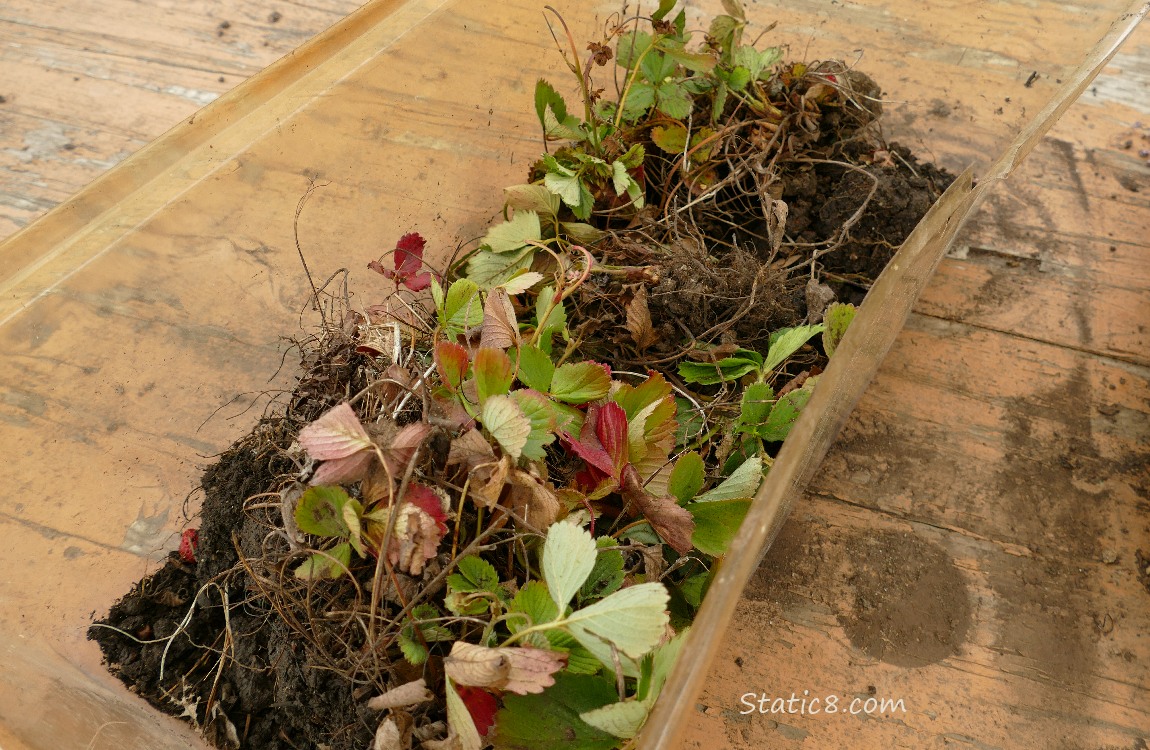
(969, 545)
(87, 83)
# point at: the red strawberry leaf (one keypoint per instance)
(409, 253)
(482, 706)
(407, 261)
(611, 428)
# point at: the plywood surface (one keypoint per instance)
(976, 544)
(970, 545)
(87, 83)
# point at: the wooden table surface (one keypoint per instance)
(977, 542)
(86, 83)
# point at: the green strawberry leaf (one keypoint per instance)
(716, 524)
(743, 483)
(687, 477)
(786, 341)
(507, 424)
(785, 413)
(319, 511)
(837, 319)
(580, 382)
(551, 718)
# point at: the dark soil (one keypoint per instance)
(268, 692)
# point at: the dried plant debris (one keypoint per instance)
(491, 507)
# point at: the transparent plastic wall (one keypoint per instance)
(143, 323)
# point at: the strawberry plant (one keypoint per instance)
(496, 498)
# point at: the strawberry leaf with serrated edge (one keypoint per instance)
(451, 360)
(507, 424)
(537, 408)
(580, 382)
(493, 373)
(336, 434)
(319, 511)
(716, 524)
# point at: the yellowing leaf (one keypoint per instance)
(319, 511)
(568, 557)
(459, 719)
(507, 424)
(632, 620)
(623, 720)
(670, 138)
(330, 564)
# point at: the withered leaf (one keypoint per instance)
(518, 669)
(470, 449)
(639, 320)
(488, 480)
(500, 329)
(336, 434)
(343, 470)
(407, 694)
(404, 445)
(532, 500)
(672, 522)
(419, 527)
(388, 737)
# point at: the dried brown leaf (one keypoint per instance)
(532, 500)
(407, 694)
(488, 480)
(639, 320)
(377, 340)
(388, 737)
(673, 523)
(518, 669)
(416, 539)
(477, 666)
(500, 329)
(470, 449)
(404, 445)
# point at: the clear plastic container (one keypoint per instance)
(140, 321)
